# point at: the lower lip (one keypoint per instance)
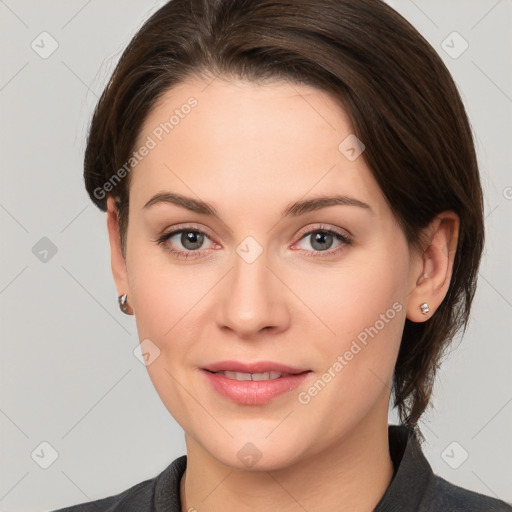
(251, 392)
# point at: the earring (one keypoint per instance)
(424, 308)
(123, 304)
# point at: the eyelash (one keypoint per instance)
(162, 240)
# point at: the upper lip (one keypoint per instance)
(255, 367)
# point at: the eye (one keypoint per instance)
(322, 239)
(190, 239)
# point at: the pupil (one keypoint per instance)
(191, 239)
(321, 237)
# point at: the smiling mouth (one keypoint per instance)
(254, 388)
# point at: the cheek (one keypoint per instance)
(164, 300)
(162, 291)
(364, 307)
(369, 285)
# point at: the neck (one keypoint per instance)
(351, 475)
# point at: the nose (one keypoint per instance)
(253, 299)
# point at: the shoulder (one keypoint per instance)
(158, 493)
(452, 498)
(136, 498)
(416, 487)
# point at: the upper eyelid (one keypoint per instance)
(323, 227)
(179, 229)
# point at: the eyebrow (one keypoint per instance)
(294, 209)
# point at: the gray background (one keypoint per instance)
(69, 376)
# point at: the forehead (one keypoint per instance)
(247, 138)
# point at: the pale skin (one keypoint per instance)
(250, 151)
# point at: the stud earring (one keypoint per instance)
(424, 308)
(123, 304)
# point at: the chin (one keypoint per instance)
(258, 452)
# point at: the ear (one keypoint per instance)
(118, 262)
(431, 275)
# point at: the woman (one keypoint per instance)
(295, 218)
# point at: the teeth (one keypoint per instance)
(236, 375)
(251, 376)
(266, 376)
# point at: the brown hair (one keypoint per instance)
(398, 94)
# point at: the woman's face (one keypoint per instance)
(321, 289)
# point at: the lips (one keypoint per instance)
(253, 383)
